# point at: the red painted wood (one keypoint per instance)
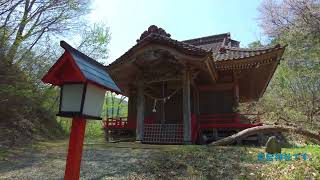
(232, 125)
(72, 171)
(194, 128)
(63, 71)
(228, 120)
(125, 123)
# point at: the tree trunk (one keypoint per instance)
(265, 129)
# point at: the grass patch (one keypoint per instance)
(7, 153)
(93, 128)
(208, 162)
(192, 161)
(295, 168)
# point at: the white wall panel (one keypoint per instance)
(94, 101)
(71, 99)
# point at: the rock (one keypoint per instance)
(273, 145)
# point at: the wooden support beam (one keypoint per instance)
(196, 100)
(186, 108)
(236, 92)
(140, 111)
(236, 77)
(211, 70)
(163, 79)
(132, 108)
(216, 87)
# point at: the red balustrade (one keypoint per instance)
(232, 120)
(118, 123)
(124, 122)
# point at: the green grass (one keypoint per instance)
(10, 152)
(210, 162)
(93, 128)
(199, 162)
(295, 169)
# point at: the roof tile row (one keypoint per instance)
(220, 46)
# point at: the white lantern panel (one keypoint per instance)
(71, 97)
(93, 101)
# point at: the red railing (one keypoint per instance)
(117, 123)
(232, 120)
(124, 122)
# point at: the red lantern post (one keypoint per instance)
(75, 148)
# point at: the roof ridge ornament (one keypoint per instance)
(222, 50)
(153, 29)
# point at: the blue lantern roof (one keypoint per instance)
(91, 69)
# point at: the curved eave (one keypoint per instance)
(268, 61)
(165, 42)
(280, 53)
(247, 62)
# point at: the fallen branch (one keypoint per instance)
(266, 129)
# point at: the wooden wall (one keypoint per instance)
(210, 102)
(216, 102)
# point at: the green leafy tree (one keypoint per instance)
(293, 95)
(95, 40)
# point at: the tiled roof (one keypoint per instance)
(159, 36)
(234, 53)
(91, 69)
(208, 39)
(221, 46)
(213, 42)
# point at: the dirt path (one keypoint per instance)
(125, 161)
(141, 161)
(120, 161)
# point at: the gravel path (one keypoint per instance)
(119, 161)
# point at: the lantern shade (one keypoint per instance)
(81, 100)
(71, 97)
(93, 102)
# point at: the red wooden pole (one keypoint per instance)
(72, 171)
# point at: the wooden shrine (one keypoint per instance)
(181, 90)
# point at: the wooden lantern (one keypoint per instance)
(83, 83)
(81, 99)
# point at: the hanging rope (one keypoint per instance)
(154, 106)
(163, 98)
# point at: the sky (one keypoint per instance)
(183, 19)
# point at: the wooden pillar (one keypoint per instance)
(186, 108)
(140, 111)
(196, 101)
(236, 92)
(236, 78)
(132, 109)
(236, 98)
